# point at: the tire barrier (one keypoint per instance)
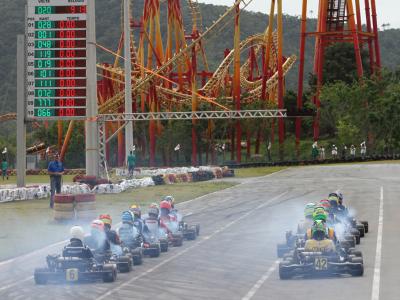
(64, 207)
(70, 207)
(289, 163)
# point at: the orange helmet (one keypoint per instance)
(106, 219)
(97, 224)
(165, 204)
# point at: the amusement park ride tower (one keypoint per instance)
(339, 21)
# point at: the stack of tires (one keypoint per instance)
(85, 206)
(64, 207)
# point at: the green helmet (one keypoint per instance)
(319, 214)
(309, 210)
(318, 227)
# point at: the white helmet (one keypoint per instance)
(77, 233)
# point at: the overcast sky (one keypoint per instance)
(387, 10)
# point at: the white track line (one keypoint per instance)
(378, 255)
(116, 289)
(261, 281)
(3, 288)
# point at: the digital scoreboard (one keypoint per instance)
(56, 57)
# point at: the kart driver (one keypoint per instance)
(127, 232)
(308, 221)
(111, 235)
(75, 248)
(137, 217)
(97, 240)
(320, 215)
(319, 242)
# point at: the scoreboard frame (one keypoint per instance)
(56, 42)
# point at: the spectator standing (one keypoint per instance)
(269, 150)
(334, 151)
(344, 150)
(353, 151)
(55, 170)
(131, 162)
(314, 151)
(322, 153)
(363, 150)
(4, 168)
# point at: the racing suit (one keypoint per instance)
(75, 248)
(127, 235)
(139, 224)
(112, 236)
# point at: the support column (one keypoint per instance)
(128, 78)
(21, 126)
(281, 124)
(92, 135)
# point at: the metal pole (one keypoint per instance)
(21, 127)
(128, 78)
(92, 138)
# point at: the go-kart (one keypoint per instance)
(154, 238)
(292, 241)
(123, 260)
(189, 232)
(310, 263)
(171, 229)
(133, 247)
(72, 267)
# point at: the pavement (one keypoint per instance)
(235, 256)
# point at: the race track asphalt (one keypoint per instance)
(235, 256)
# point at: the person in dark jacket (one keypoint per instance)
(76, 248)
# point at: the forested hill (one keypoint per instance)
(108, 30)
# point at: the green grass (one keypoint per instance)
(29, 225)
(256, 172)
(30, 179)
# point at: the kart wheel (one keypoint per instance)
(358, 271)
(137, 259)
(109, 273)
(191, 236)
(198, 229)
(283, 272)
(358, 239)
(351, 240)
(124, 264)
(365, 223)
(39, 277)
(155, 252)
(361, 230)
(178, 242)
(356, 253)
(164, 247)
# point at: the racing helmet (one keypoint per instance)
(170, 199)
(165, 205)
(135, 209)
(77, 232)
(127, 217)
(153, 211)
(106, 219)
(309, 210)
(340, 197)
(97, 225)
(333, 200)
(319, 214)
(318, 230)
(325, 204)
(154, 205)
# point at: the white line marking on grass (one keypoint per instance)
(261, 281)
(378, 255)
(130, 281)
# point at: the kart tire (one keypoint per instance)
(126, 267)
(40, 278)
(109, 273)
(351, 240)
(178, 242)
(164, 247)
(283, 273)
(191, 236)
(197, 229)
(155, 252)
(361, 230)
(359, 271)
(356, 253)
(358, 239)
(365, 223)
(137, 259)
